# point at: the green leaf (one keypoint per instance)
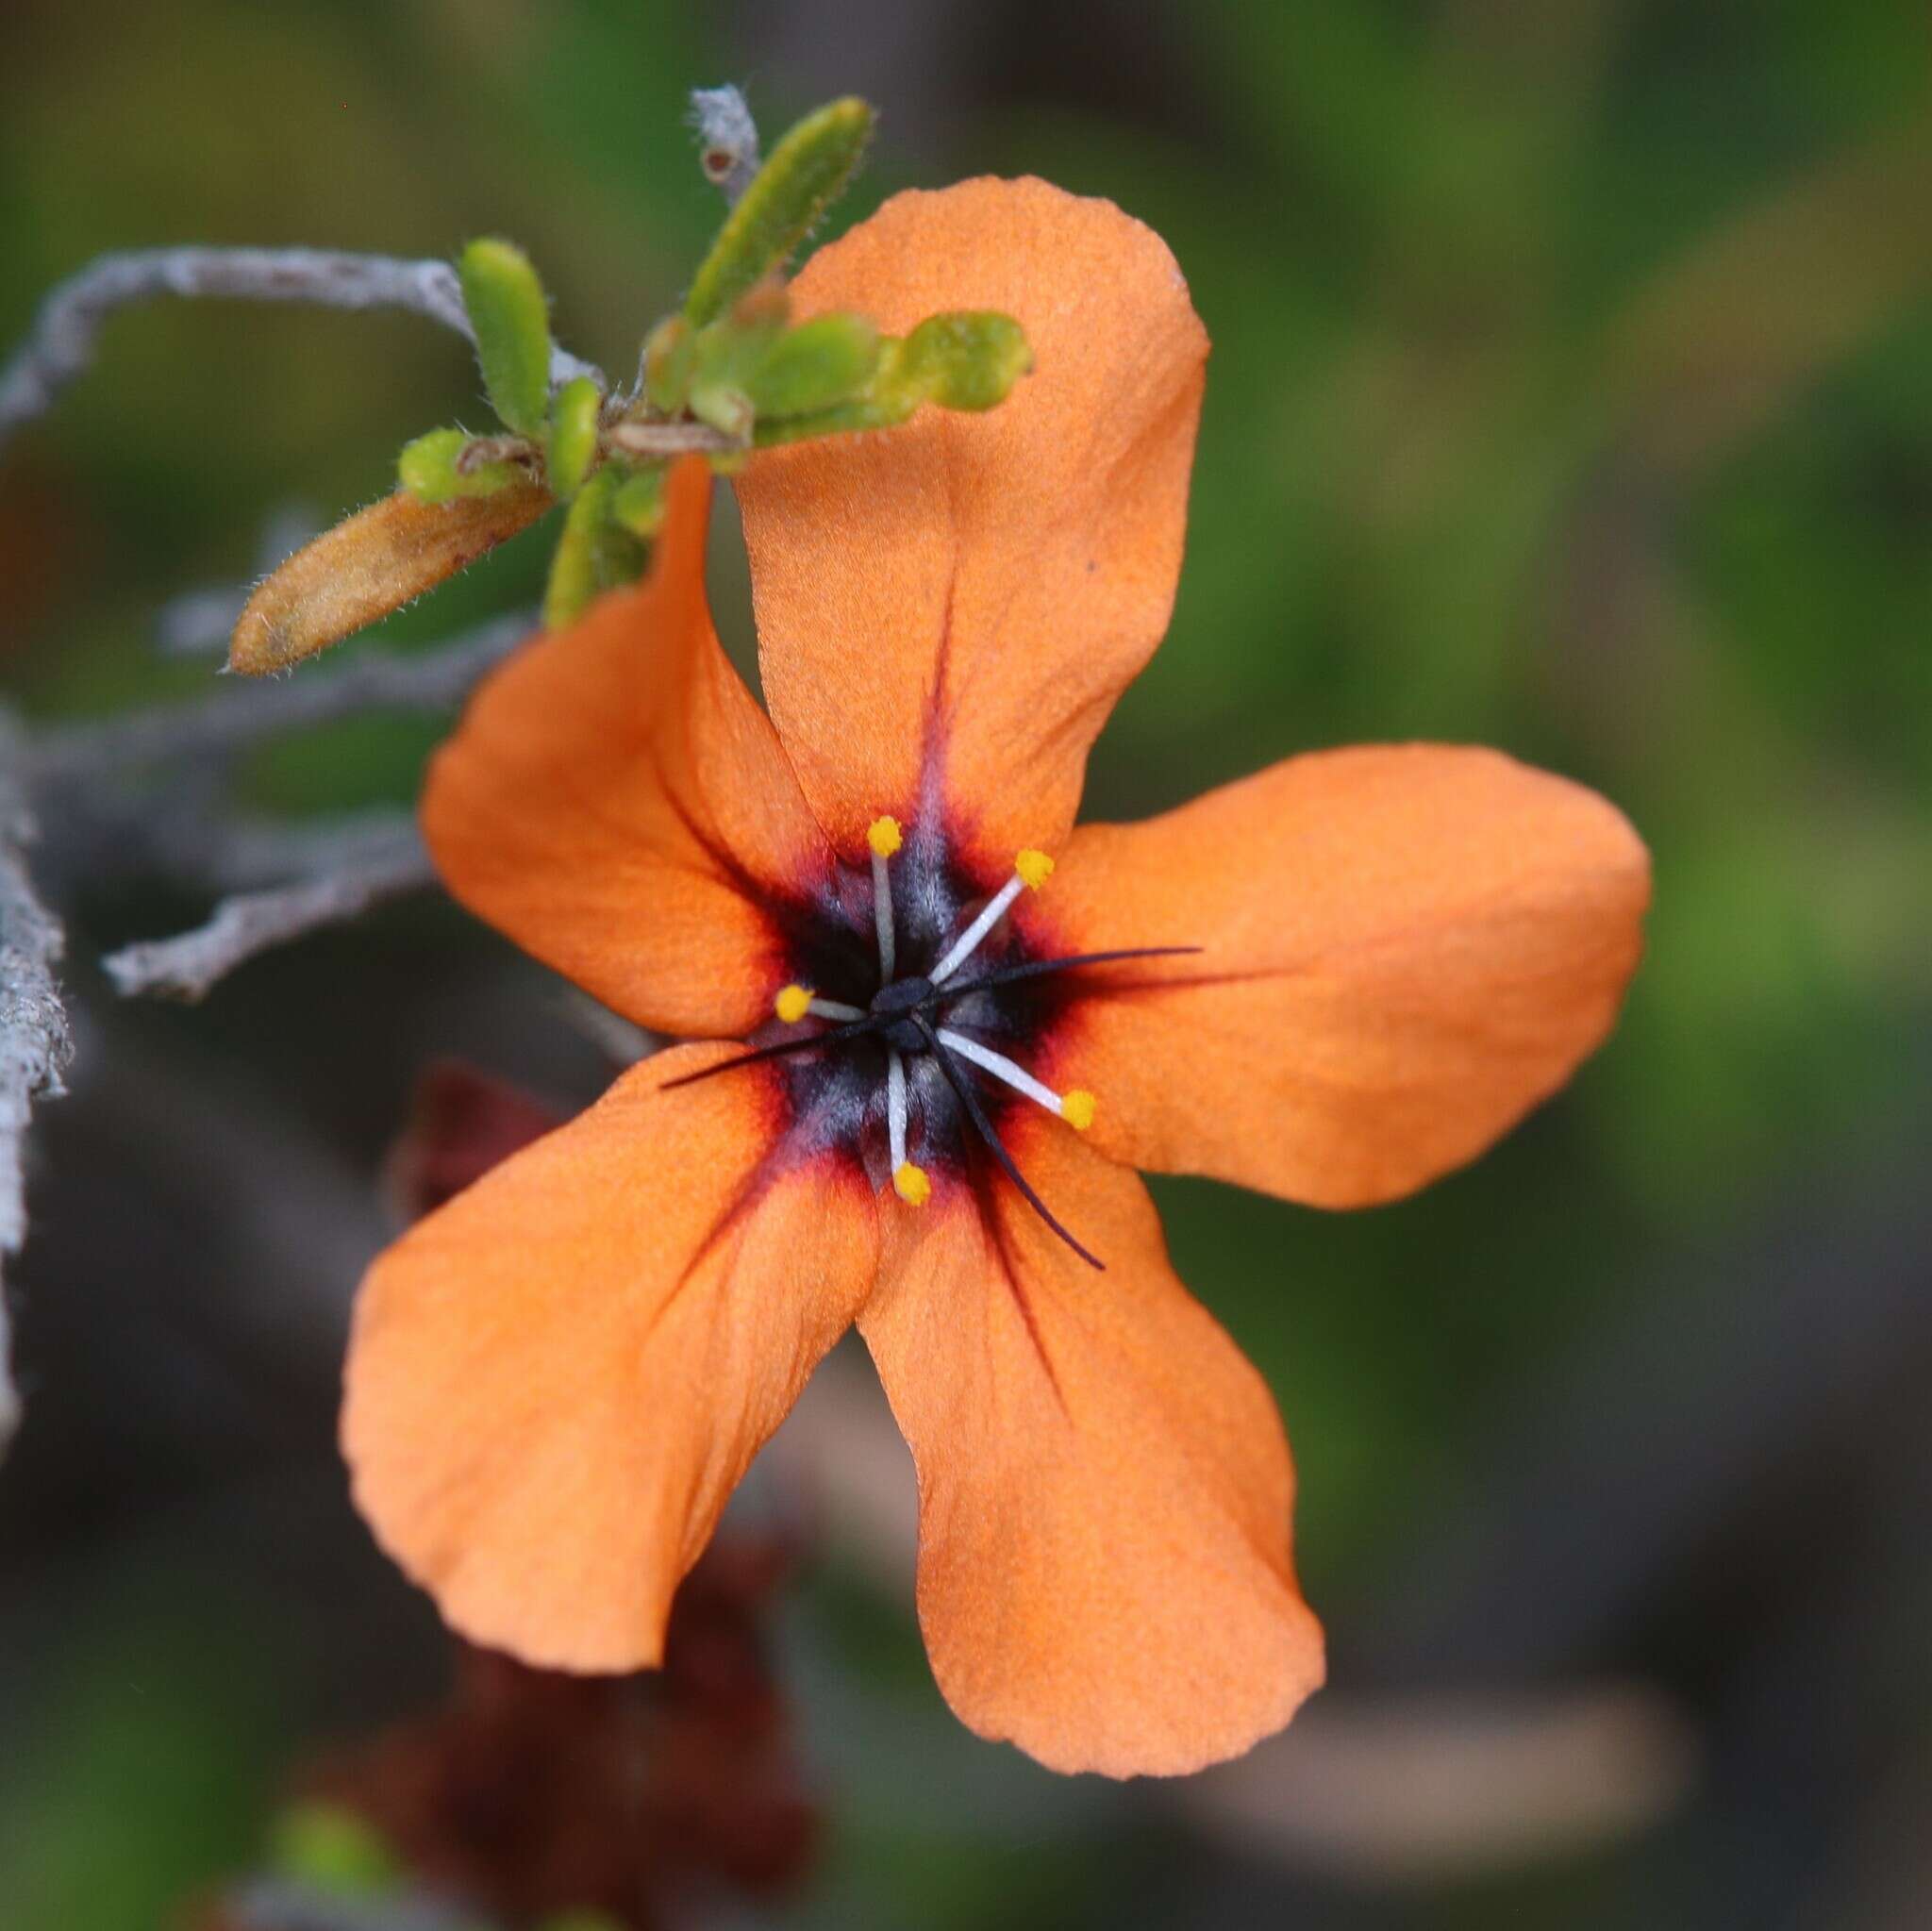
(969, 361)
(333, 1850)
(669, 351)
(637, 503)
(804, 175)
(822, 362)
(507, 311)
(430, 469)
(593, 555)
(572, 445)
(726, 353)
(880, 410)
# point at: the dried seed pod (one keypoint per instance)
(370, 564)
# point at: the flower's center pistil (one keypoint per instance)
(905, 1025)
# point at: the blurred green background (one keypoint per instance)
(1572, 392)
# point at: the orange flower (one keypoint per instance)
(1332, 981)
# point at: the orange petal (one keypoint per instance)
(1105, 1574)
(556, 1381)
(615, 798)
(1405, 948)
(986, 583)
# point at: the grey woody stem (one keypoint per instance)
(383, 863)
(61, 345)
(35, 1042)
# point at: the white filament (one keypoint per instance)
(895, 1107)
(1001, 1068)
(967, 944)
(882, 914)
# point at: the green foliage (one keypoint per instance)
(511, 318)
(595, 552)
(800, 180)
(432, 470)
(957, 361)
(809, 368)
(331, 1850)
(637, 503)
(968, 360)
(572, 445)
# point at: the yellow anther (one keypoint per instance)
(1033, 868)
(911, 1184)
(884, 836)
(1077, 1109)
(792, 1004)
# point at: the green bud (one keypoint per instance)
(968, 360)
(593, 555)
(879, 410)
(572, 445)
(637, 503)
(821, 363)
(333, 1850)
(727, 353)
(803, 175)
(668, 352)
(507, 309)
(432, 471)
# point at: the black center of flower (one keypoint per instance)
(906, 1056)
(896, 1004)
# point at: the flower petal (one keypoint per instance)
(1104, 1575)
(615, 800)
(556, 1381)
(981, 587)
(1405, 949)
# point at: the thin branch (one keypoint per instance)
(381, 863)
(62, 344)
(731, 138)
(645, 439)
(35, 1042)
(234, 719)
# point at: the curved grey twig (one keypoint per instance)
(63, 342)
(373, 860)
(231, 720)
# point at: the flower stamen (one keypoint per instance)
(1075, 1108)
(1030, 870)
(794, 1002)
(885, 838)
(962, 1087)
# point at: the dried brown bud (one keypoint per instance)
(370, 564)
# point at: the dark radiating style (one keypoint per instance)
(904, 1103)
